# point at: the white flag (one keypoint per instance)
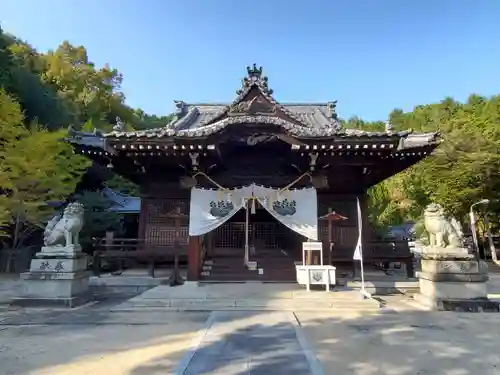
(358, 252)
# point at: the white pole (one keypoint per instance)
(247, 219)
(363, 291)
(358, 254)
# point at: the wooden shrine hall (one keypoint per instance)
(256, 143)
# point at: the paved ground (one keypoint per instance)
(408, 343)
(92, 341)
(249, 343)
(95, 341)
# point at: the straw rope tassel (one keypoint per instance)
(228, 190)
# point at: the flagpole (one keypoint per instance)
(247, 219)
(363, 291)
(358, 252)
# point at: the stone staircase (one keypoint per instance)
(274, 265)
(246, 297)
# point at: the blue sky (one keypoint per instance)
(370, 55)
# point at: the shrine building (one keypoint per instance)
(239, 187)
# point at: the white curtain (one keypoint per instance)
(210, 209)
(296, 208)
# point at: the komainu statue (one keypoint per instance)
(65, 230)
(443, 232)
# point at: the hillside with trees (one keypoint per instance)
(463, 170)
(42, 93)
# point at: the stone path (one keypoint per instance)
(95, 340)
(246, 344)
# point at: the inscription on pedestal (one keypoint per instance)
(58, 265)
(449, 266)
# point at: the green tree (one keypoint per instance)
(464, 169)
(36, 168)
(98, 218)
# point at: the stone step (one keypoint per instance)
(281, 304)
(252, 275)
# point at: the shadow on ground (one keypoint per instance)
(95, 341)
(416, 342)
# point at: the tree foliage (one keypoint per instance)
(36, 168)
(41, 94)
(464, 169)
(98, 219)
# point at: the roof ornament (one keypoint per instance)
(255, 77)
(120, 125)
(180, 108)
(332, 109)
(388, 126)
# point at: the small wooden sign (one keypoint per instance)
(308, 246)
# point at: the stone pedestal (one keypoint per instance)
(453, 281)
(57, 278)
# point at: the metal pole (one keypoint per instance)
(474, 232)
(247, 219)
(363, 291)
(493, 250)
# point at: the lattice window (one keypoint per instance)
(264, 235)
(341, 235)
(230, 235)
(160, 229)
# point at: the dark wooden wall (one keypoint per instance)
(158, 200)
(345, 232)
(161, 199)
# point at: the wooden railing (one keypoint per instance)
(120, 250)
(376, 252)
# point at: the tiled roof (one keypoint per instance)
(292, 128)
(204, 119)
(303, 120)
(198, 114)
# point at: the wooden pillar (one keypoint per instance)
(193, 258)
(143, 217)
(367, 225)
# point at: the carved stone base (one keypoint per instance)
(459, 305)
(442, 253)
(55, 280)
(454, 284)
(59, 250)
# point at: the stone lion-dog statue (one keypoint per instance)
(65, 230)
(443, 232)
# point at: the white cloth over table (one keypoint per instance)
(297, 208)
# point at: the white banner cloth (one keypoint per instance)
(358, 251)
(297, 208)
(210, 209)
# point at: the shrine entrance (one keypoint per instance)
(264, 232)
(273, 249)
